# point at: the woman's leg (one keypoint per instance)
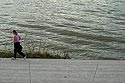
(20, 51)
(15, 52)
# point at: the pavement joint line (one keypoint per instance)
(29, 73)
(120, 63)
(95, 73)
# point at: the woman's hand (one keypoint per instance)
(13, 41)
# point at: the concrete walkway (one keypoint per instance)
(61, 71)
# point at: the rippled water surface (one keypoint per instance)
(87, 29)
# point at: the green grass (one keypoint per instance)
(43, 55)
(5, 54)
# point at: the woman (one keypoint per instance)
(17, 46)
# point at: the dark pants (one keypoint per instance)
(18, 49)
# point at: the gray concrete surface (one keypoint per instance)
(61, 71)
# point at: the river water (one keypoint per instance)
(87, 29)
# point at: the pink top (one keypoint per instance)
(16, 38)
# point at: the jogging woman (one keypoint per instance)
(17, 46)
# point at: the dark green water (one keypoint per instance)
(87, 29)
